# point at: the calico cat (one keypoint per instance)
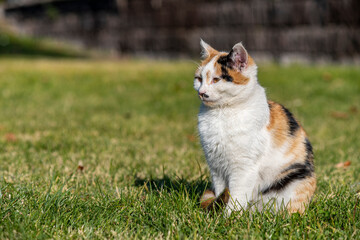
(256, 151)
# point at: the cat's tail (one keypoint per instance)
(209, 202)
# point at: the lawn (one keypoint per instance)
(109, 149)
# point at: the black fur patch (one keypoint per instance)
(293, 125)
(309, 154)
(224, 61)
(225, 74)
(296, 171)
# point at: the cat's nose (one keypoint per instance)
(203, 95)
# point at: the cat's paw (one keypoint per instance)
(207, 198)
(209, 202)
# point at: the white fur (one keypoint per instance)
(237, 145)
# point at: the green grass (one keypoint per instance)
(132, 126)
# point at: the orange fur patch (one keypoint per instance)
(304, 192)
(278, 125)
(297, 144)
(237, 77)
(250, 61)
(297, 148)
(208, 78)
(212, 54)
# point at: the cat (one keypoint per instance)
(256, 151)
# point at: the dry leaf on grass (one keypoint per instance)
(80, 167)
(343, 164)
(10, 137)
(353, 109)
(340, 115)
(327, 76)
(192, 138)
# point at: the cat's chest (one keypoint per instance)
(225, 133)
(221, 129)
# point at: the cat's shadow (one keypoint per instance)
(194, 188)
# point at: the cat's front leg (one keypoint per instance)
(218, 183)
(241, 186)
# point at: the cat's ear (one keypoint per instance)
(238, 57)
(206, 50)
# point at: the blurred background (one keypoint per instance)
(273, 30)
(98, 115)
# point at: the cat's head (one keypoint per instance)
(225, 78)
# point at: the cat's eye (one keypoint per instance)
(198, 78)
(216, 79)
